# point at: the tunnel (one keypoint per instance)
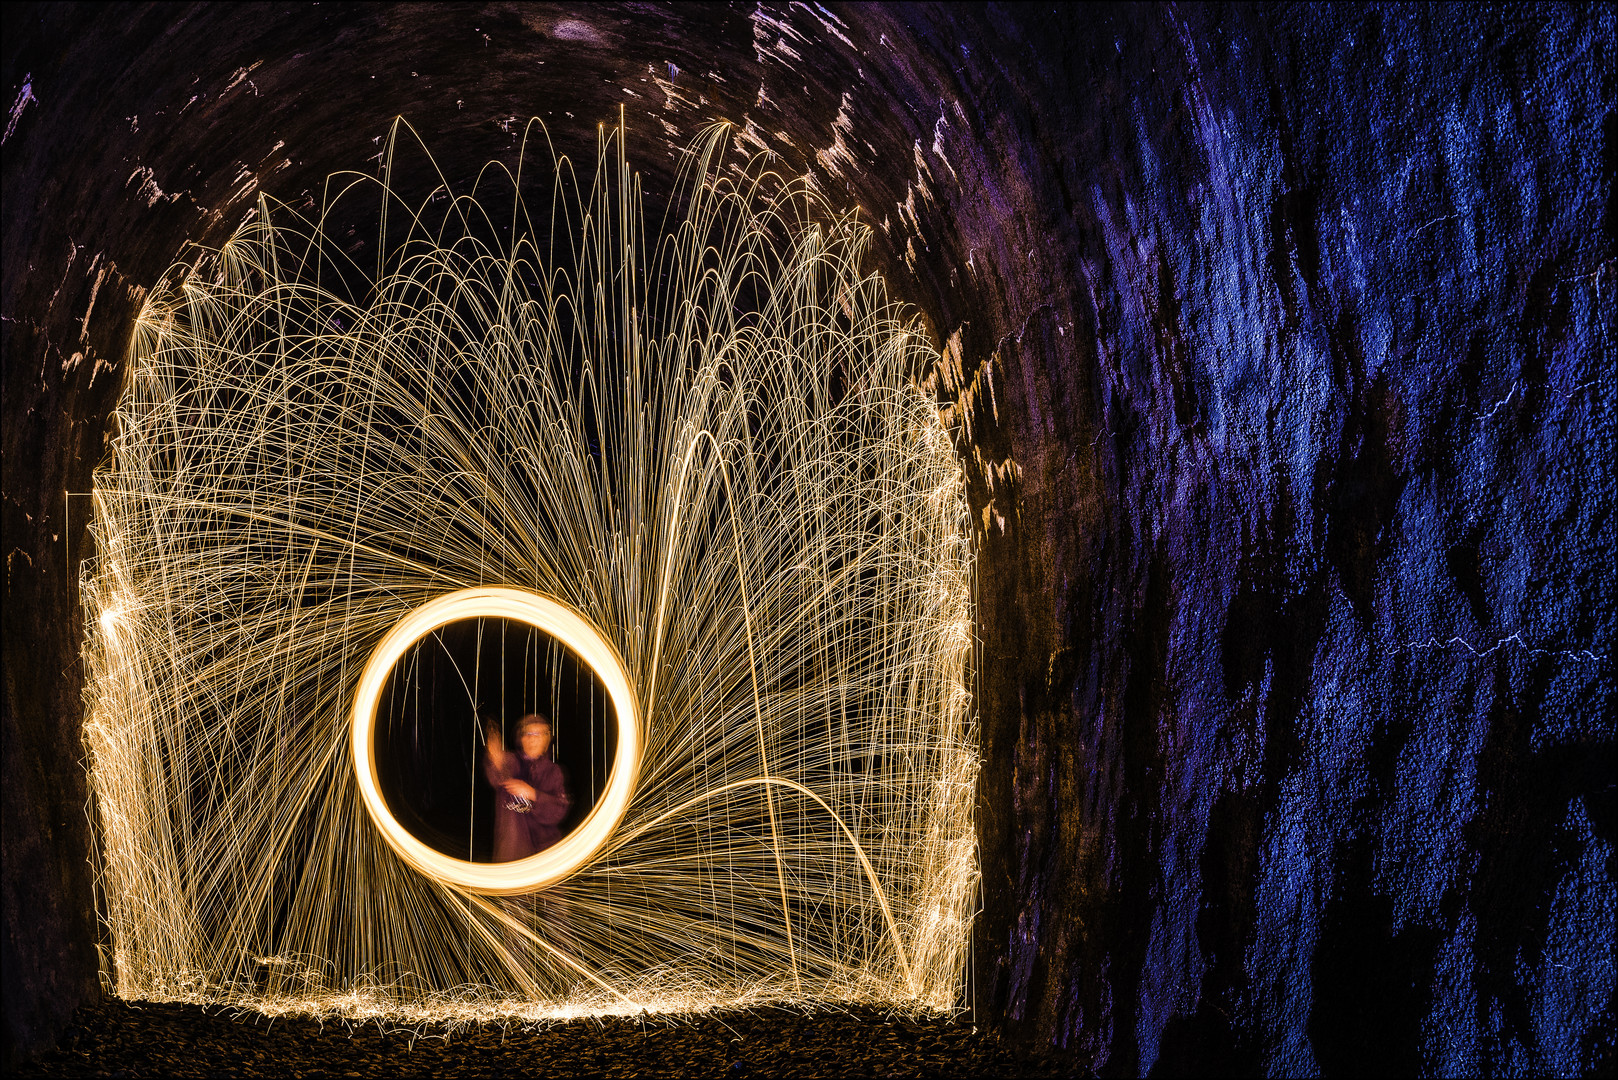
(1275, 343)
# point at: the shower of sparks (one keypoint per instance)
(710, 446)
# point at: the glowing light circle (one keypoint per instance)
(576, 632)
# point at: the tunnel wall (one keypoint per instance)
(1274, 342)
(1298, 631)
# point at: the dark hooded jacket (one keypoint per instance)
(522, 828)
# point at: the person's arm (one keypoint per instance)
(551, 803)
(497, 764)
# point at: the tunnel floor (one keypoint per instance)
(116, 1038)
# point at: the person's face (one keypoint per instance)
(536, 741)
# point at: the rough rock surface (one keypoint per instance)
(1279, 341)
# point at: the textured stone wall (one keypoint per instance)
(1277, 340)
(1298, 632)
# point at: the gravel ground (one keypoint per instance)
(117, 1039)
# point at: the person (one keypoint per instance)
(530, 802)
(531, 791)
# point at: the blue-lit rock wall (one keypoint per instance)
(1297, 578)
(1278, 341)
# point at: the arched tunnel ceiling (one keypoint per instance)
(1275, 341)
(203, 129)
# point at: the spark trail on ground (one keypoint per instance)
(706, 441)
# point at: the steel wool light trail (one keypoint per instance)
(545, 868)
(705, 447)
